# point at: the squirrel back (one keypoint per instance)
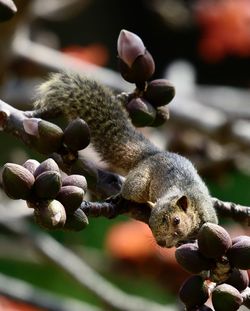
(112, 133)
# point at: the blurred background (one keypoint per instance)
(203, 48)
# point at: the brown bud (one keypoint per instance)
(226, 297)
(189, 257)
(239, 254)
(47, 185)
(31, 165)
(71, 198)
(141, 112)
(77, 221)
(75, 180)
(193, 292)
(7, 10)
(47, 165)
(238, 279)
(141, 70)
(45, 136)
(162, 115)
(159, 92)
(17, 181)
(50, 215)
(213, 240)
(77, 135)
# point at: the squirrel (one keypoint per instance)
(179, 199)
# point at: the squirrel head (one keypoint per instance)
(173, 219)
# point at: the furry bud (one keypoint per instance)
(47, 185)
(193, 292)
(17, 181)
(159, 92)
(226, 297)
(31, 165)
(76, 221)
(50, 215)
(77, 135)
(71, 197)
(141, 112)
(189, 257)
(213, 240)
(45, 166)
(75, 180)
(239, 254)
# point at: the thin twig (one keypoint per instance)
(22, 291)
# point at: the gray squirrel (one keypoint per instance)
(179, 200)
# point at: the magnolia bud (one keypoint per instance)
(7, 10)
(159, 92)
(189, 257)
(141, 112)
(226, 297)
(193, 292)
(47, 165)
(77, 221)
(213, 240)
(162, 115)
(50, 215)
(75, 180)
(17, 181)
(77, 135)
(31, 165)
(239, 254)
(45, 136)
(238, 279)
(71, 197)
(47, 185)
(136, 63)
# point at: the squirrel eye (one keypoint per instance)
(176, 220)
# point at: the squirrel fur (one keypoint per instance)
(168, 182)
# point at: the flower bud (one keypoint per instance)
(77, 221)
(239, 254)
(45, 166)
(226, 297)
(17, 181)
(189, 257)
(159, 92)
(162, 115)
(240, 238)
(213, 240)
(46, 138)
(31, 165)
(77, 135)
(50, 215)
(71, 198)
(142, 69)
(7, 10)
(75, 180)
(238, 279)
(129, 47)
(193, 292)
(47, 185)
(141, 112)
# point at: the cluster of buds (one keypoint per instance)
(219, 264)
(47, 137)
(147, 104)
(56, 200)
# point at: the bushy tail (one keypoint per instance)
(112, 133)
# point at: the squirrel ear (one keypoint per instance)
(151, 204)
(183, 203)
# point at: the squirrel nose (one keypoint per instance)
(161, 243)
